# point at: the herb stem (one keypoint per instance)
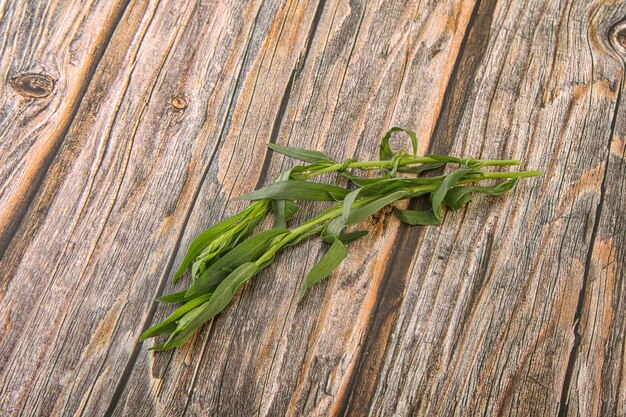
(295, 233)
(427, 159)
(498, 162)
(520, 174)
(404, 162)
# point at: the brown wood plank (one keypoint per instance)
(596, 381)
(514, 306)
(266, 352)
(489, 315)
(49, 52)
(99, 238)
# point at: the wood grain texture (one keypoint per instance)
(498, 334)
(123, 155)
(514, 306)
(49, 53)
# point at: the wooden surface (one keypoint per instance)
(125, 127)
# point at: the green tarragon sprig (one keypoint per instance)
(225, 256)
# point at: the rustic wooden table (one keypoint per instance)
(125, 127)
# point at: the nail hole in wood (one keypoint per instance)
(179, 103)
(33, 85)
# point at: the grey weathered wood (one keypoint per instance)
(496, 321)
(512, 306)
(96, 243)
(597, 384)
(49, 53)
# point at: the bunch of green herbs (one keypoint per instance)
(227, 255)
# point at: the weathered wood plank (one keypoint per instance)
(97, 240)
(265, 352)
(488, 320)
(49, 52)
(598, 359)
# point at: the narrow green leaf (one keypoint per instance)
(421, 168)
(388, 185)
(360, 212)
(279, 208)
(448, 182)
(205, 238)
(347, 205)
(247, 251)
(335, 227)
(291, 209)
(352, 236)
(176, 297)
(335, 255)
(174, 344)
(451, 159)
(301, 154)
(417, 217)
(382, 184)
(385, 149)
(457, 197)
(345, 237)
(166, 325)
(297, 190)
(283, 211)
(223, 295)
(363, 181)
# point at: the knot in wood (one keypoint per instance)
(179, 103)
(617, 37)
(620, 36)
(33, 85)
